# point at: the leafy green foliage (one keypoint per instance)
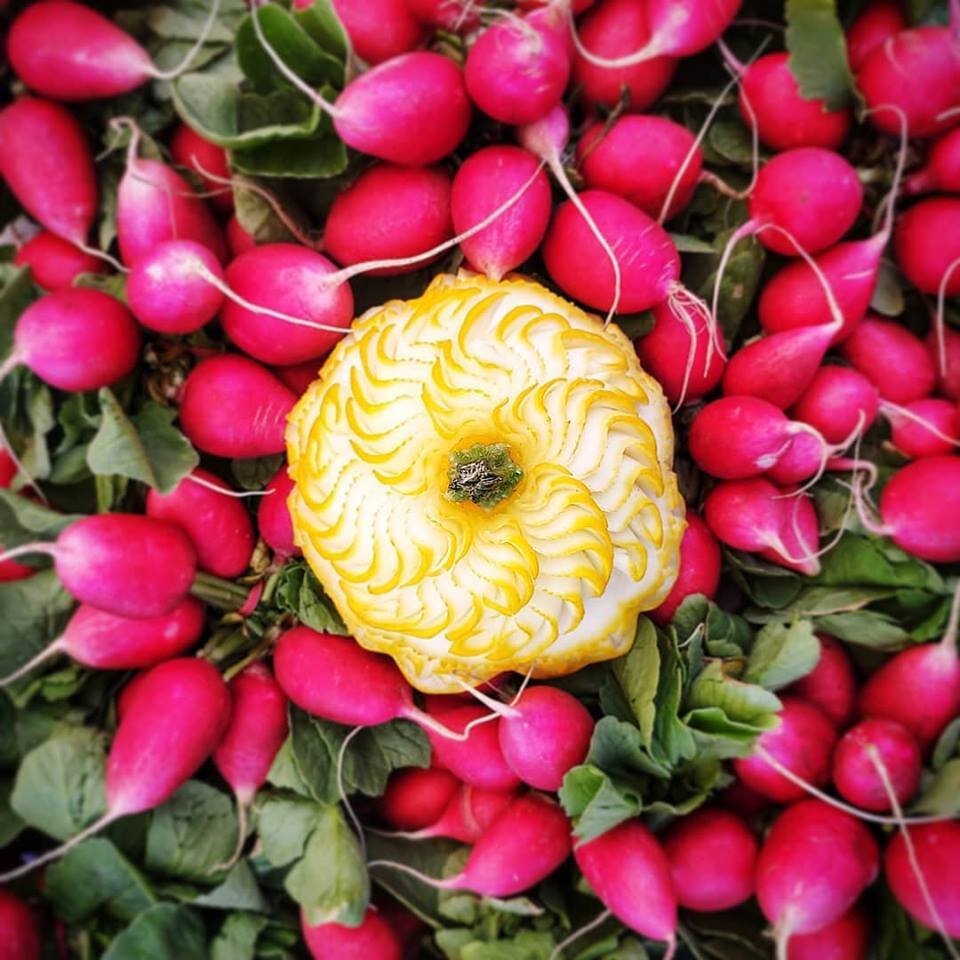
(818, 51)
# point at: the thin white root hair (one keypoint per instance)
(194, 50)
(597, 921)
(226, 492)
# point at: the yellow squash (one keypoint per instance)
(484, 483)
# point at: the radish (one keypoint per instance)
(803, 742)
(832, 685)
(48, 166)
(924, 428)
(217, 524)
(479, 758)
(168, 290)
(614, 28)
(19, 931)
(700, 563)
(238, 240)
(639, 157)
(466, 816)
(813, 865)
(546, 734)
(799, 535)
(879, 21)
(837, 402)
(892, 359)
(233, 407)
(150, 760)
(486, 180)
(845, 939)
(121, 563)
(105, 641)
(273, 516)
(378, 29)
(806, 457)
(75, 339)
(936, 849)
(373, 938)
(785, 119)
(916, 74)
(948, 371)
(11, 571)
(457, 16)
(712, 855)
(628, 870)
(258, 727)
(927, 244)
(854, 771)
(518, 68)
(388, 212)
(298, 376)
(941, 172)
(8, 470)
(210, 162)
(415, 799)
(743, 801)
(54, 263)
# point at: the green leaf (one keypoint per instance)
(299, 592)
(284, 824)
(10, 824)
(782, 653)
(161, 933)
(17, 294)
(941, 797)
(237, 939)
(25, 521)
(638, 674)
(256, 472)
(591, 800)
(320, 20)
(746, 705)
(740, 280)
(96, 876)
(861, 561)
(818, 52)
(866, 628)
(59, 786)
(888, 296)
(239, 891)
(318, 158)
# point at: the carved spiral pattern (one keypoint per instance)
(554, 575)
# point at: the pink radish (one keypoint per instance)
(238, 240)
(576, 6)
(11, 571)
(803, 742)
(915, 72)
(927, 244)
(257, 729)
(48, 166)
(415, 799)
(879, 21)
(458, 16)
(54, 263)
(785, 118)
(803, 459)
(639, 157)
(122, 563)
(105, 641)
(293, 281)
(712, 856)
(948, 372)
(479, 759)
(941, 172)
(486, 180)
(378, 29)
(298, 376)
(699, 569)
(546, 733)
(799, 535)
(75, 339)
(372, 938)
(892, 359)
(836, 402)
(19, 930)
(233, 407)
(273, 516)
(924, 428)
(217, 524)
(615, 28)
(168, 290)
(388, 212)
(855, 773)
(628, 870)
(814, 864)
(518, 68)
(845, 939)
(937, 850)
(831, 685)
(210, 162)
(467, 814)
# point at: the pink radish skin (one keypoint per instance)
(188, 149)
(915, 440)
(700, 561)
(412, 110)
(948, 379)
(19, 931)
(292, 280)
(918, 72)
(941, 172)
(238, 240)
(484, 182)
(299, 376)
(937, 847)
(415, 799)
(927, 244)
(814, 864)
(8, 470)
(628, 870)
(845, 939)
(712, 856)
(895, 361)
(217, 524)
(576, 6)
(799, 535)
(479, 760)
(837, 399)
(802, 460)
(167, 288)
(373, 938)
(233, 407)
(389, 212)
(47, 164)
(548, 734)
(273, 516)
(67, 51)
(803, 742)
(855, 775)
(785, 119)
(378, 29)
(880, 20)
(616, 28)
(649, 262)
(54, 263)
(832, 684)
(457, 16)
(467, 815)
(682, 28)
(638, 158)
(11, 571)
(794, 296)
